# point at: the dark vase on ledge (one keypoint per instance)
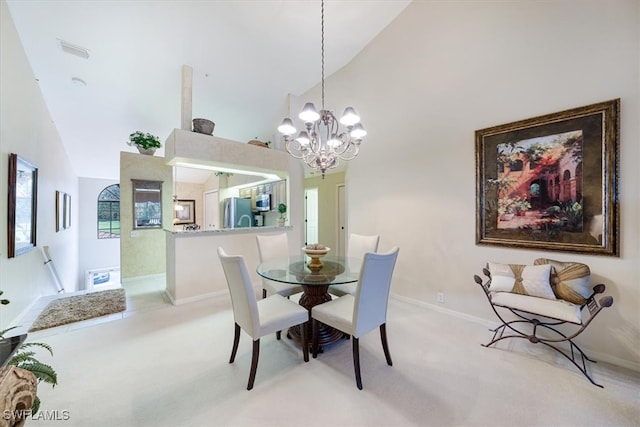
(203, 126)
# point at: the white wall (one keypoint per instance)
(442, 70)
(93, 252)
(26, 129)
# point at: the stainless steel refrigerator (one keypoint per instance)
(237, 212)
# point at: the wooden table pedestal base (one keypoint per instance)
(312, 296)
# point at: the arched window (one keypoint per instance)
(109, 212)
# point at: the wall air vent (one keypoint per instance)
(73, 49)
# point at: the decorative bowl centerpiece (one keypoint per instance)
(315, 252)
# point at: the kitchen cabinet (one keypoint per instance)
(277, 190)
(246, 193)
(278, 194)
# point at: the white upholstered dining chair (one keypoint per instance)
(367, 310)
(271, 247)
(358, 245)
(258, 317)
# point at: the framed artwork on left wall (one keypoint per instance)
(63, 211)
(67, 211)
(59, 210)
(22, 206)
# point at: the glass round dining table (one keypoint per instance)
(336, 270)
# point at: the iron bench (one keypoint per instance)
(534, 314)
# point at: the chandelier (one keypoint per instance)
(323, 144)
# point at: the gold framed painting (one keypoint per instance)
(550, 182)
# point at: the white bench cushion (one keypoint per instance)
(522, 279)
(555, 309)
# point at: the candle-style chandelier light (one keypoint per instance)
(323, 144)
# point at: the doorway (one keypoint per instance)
(211, 210)
(310, 215)
(342, 219)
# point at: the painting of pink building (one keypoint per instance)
(540, 183)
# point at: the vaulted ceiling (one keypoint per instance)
(246, 55)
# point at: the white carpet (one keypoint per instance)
(168, 366)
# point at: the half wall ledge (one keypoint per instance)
(191, 148)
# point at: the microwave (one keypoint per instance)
(263, 202)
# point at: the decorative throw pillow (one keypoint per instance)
(521, 279)
(571, 281)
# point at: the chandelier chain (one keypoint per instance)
(322, 38)
(322, 144)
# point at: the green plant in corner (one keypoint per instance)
(145, 141)
(25, 358)
(282, 208)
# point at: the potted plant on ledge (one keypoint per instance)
(144, 142)
(282, 208)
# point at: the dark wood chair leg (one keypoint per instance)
(305, 342)
(254, 363)
(314, 336)
(385, 344)
(356, 361)
(236, 340)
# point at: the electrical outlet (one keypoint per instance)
(440, 297)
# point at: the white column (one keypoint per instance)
(187, 97)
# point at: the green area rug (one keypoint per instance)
(81, 307)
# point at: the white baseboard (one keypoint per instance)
(140, 278)
(217, 294)
(180, 301)
(448, 311)
(491, 324)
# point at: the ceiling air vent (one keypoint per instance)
(73, 49)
